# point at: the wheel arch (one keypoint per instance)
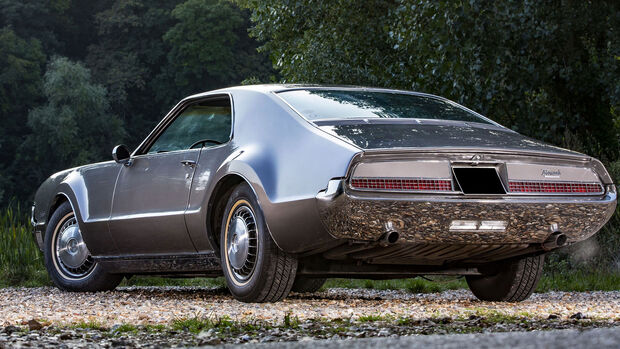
(60, 198)
(217, 205)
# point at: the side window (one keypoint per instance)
(205, 123)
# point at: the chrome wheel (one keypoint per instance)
(241, 242)
(71, 256)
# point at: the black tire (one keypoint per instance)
(515, 281)
(307, 285)
(87, 278)
(267, 273)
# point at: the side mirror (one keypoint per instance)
(121, 154)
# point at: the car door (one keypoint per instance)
(152, 193)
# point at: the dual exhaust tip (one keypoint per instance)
(554, 240)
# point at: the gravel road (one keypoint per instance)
(161, 305)
(47, 317)
(600, 338)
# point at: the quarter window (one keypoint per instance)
(206, 123)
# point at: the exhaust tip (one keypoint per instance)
(561, 239)
(389, 238)
(554, 241)
(392, 237)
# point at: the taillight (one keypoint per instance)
(554, 187)
(403, 184)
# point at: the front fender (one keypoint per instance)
(89, 190)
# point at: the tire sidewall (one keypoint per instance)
(252, 287)
(96, 280)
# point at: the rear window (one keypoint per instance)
(318, 105)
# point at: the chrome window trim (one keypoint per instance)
(174, 113)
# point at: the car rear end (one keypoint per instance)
(468, 205)
(435, 183)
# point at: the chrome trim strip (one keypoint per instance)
(33, 222)
(175, 111)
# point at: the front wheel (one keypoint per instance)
(256, 270)
(67, 258)
(514, 281)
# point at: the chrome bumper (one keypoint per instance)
(365, 216)
(36, 229)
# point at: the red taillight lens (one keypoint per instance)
(402, 184)
(553, 187)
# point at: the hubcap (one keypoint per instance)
(72, 255)
(239, 243)
(242, 243)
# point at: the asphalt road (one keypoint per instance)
(600, 338)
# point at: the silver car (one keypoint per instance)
(279, 187)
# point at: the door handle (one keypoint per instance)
(190, 163)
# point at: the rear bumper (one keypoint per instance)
(428, 219)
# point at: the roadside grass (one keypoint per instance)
(417, 285)
(89, 325)
(220, 330)
(580, 281)
(221, 324)
(159, 281)
(21, 264)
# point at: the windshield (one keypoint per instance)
(352, 104)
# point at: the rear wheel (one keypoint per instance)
(514, 282)
(307, 285)
(67, 258)
(256, 270)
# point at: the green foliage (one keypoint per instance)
(74, 127)
(580, 280)
(540, 68)
(21, 263)
(126, 58)
(217, 283)
(21, 63)
(210, 47)
(416, 285)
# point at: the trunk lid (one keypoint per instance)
(437, 134)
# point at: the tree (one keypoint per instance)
(210, 48)
(149, 55)
(73, 128)
(128, 56)
(21, 65)
(547, 69)
(61, 26)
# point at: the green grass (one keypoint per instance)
(89, 325)
(220, 324)
(21, 263)
(417, 285)
(580, 280)
(158, 281)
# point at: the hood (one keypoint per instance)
(386, 134)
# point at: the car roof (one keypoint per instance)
(268, 88)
